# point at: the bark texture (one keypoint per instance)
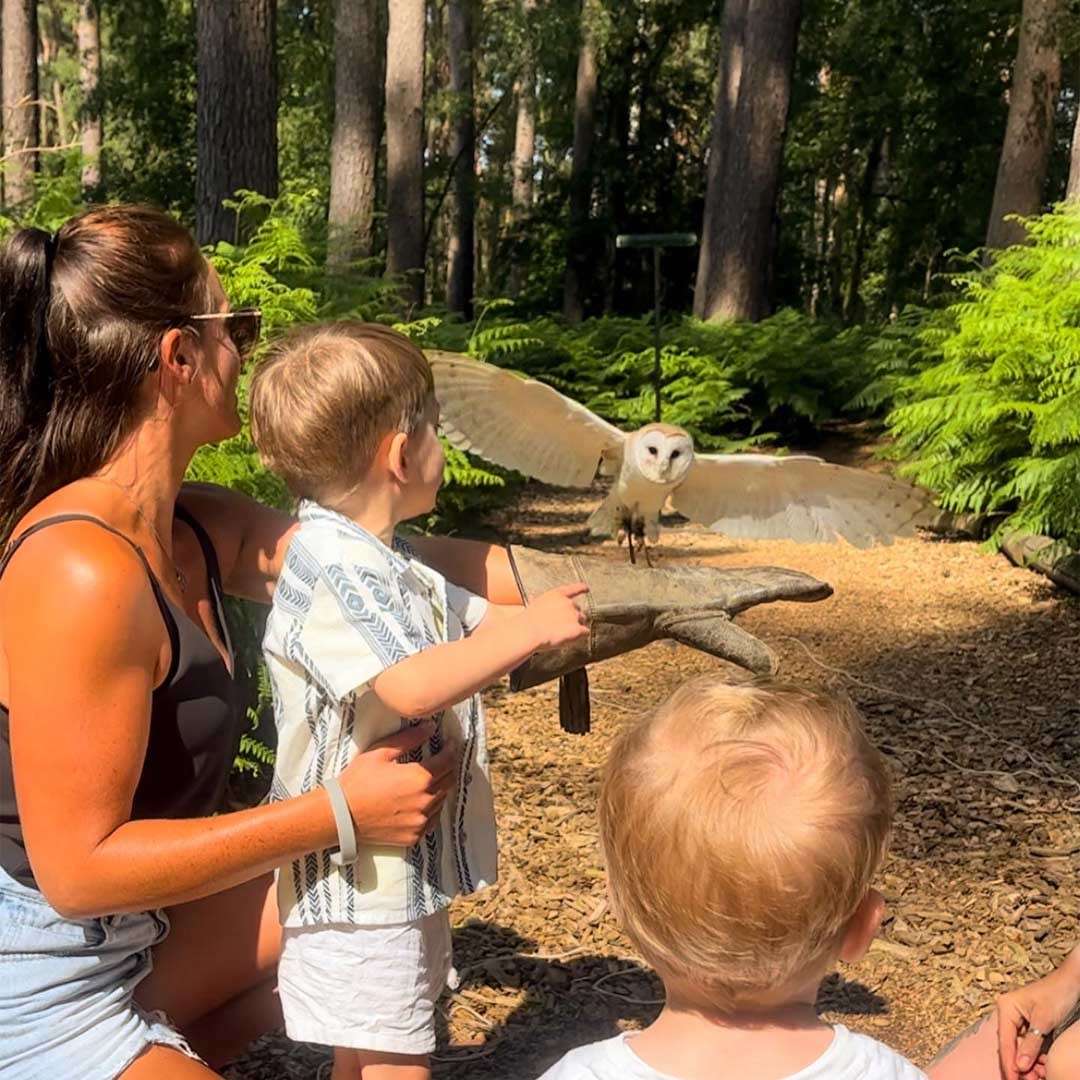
(359, 56)
(461, 249)
(18, 62)
(1072, 191)
(521, 192)
(237, 109)
(749, 125)
(405, 46)
(581, 165)
(88, 35)
(1029, 130)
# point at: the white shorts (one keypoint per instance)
(365, 987)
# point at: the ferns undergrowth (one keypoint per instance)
(992, 423)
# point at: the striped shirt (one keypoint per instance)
(346, 608)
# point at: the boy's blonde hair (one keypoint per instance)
(325, 395)
(741, 827)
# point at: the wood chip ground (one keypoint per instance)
(968, 673)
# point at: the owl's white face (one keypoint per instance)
(663, 454)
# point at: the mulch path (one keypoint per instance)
(968, 673)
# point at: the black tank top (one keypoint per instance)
(194, 714)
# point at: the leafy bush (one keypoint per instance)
(993, 424)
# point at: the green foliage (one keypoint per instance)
(57, 196)
(993, 424)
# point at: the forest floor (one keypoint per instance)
(967, 672)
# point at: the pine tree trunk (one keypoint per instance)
(852, 300)
(405, 46)
(237, 109)
(88, 36)
(461, 253)
(521, 192)
(753, 95)
(581, 166)
(1029, 130)
(359, 55)
(18, 69)
(1072, 190)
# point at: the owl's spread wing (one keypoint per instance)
(520, 423)
(757, 496)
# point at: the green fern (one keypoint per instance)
(993, 424)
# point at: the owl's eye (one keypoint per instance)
(652, 450)
(675, 454)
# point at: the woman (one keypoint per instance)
(119, 717)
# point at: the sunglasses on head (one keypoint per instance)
(242, 327)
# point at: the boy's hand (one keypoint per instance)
(555, 618)
(395, 802)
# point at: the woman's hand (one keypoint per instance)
(395, 802)
(1027, 1015)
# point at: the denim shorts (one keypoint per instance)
(66, 985)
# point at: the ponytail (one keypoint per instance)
(82, 314)
(26, 375)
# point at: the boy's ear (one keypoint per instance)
(863, 927)
(397, 457)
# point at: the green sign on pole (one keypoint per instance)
(656, 241)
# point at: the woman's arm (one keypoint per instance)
(250, 541)
(89, 650)
(484, 569)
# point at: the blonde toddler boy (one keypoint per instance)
(362, 639)
(742, 827)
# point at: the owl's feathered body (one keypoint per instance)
(529, 426)
(654, 462)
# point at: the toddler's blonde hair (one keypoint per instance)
(741, 827)
(326, 394)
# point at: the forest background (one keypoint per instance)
(886, 195)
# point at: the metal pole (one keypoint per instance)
(657, 372)
(656, 241)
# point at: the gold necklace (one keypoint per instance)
(181, 577)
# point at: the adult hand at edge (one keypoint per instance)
(394, 802)
(1027, 1015)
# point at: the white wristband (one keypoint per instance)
(346, 828)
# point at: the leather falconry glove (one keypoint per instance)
(628, 607)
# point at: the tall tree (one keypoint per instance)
(581, 164)
(237, 108)
(1072, 189)
(20, 98)
(405, 48)
(749, 123)
(1029, 130)
(521, 191)
(88, 40)
(461, 250)
(359, 54)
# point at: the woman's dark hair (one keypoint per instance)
(82, 313)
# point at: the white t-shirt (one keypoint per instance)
(346, 608)
(849, 1057)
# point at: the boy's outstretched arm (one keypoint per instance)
(443, 675)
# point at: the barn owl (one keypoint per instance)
(526, 425)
